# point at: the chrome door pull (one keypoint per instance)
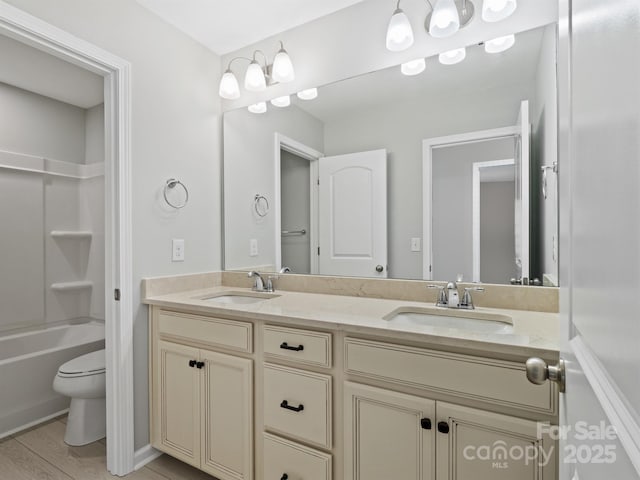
(539, 372)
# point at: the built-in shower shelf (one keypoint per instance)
(69, 286)
(79, 234)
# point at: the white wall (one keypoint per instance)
(175, 133)
(40, 126)
(249, 168)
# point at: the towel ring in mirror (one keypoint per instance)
(169, 186)
(261, 205)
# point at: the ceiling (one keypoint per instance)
(224, 26)
(44, 74)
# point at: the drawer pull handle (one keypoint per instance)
(200, 365)
(192, 363)
(443, 427)
(284, 477)
(285, 346)
(286, 405)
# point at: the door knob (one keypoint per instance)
(379, 268)
(538, 372)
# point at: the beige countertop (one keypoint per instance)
(534, 333)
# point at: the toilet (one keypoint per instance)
(83, 379)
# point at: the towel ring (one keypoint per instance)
(171, 184)
(261, 205)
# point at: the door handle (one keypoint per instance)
(379, 268)
(538, 372)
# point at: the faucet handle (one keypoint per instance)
(467, 300)
(442, 301)
(270, 287)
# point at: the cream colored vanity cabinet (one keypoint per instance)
(202, 400)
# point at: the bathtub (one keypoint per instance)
(29, 362)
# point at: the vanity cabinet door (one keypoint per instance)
(227, 416)
(388, 435)
(177, 402)
(477, 445)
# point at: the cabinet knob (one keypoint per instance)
(426, 423)
(192, 363)
(200, 365)
(443, 427)
(284, 476)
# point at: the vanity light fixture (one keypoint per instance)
(500, 44)
(496, 10)
(260, 107)
(399, 31)
(258, 76)
(453, 56)
(308, 94)
(281, 102)
(414, 67)
(445, 20)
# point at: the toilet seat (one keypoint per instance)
(83, 366)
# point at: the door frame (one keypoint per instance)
(428, 145)
(475, 228)
(32, 31)
(282, 142)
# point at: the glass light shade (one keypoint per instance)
(254, 80)
(229, 87)
(453, 56)
(258, 107)
(500, 44)
(281, 101)
(308, 94)
(283, 68)
(445, 19)
(399, 32)
(496, 10)
(414, 67)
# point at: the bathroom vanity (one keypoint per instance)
(308, 386)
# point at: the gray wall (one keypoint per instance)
(452, 172)
(296, 211)
(175, 133)
(497, 232)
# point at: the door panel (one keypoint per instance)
(384, 437)
(353, 214)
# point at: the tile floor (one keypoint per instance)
(41, 454)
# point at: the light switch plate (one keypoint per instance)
(253, 247)
(415, 244)
(178, 250)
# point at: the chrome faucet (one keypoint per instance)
(259, 285)
(449, 296)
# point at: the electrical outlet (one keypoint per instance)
(415, 244)
(178, 250)
(253, 247)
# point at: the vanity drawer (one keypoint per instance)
(298, 404)
(494, 381)
(296, 461)
(217, 332)
(302, 346)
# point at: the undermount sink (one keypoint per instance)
(238, 298)
(480, 322)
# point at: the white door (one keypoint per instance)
(600, 228)
(353, 214)
(522, 191)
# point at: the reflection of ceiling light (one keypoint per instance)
(500, 44)
(452, 56)
(413, 67)
(258, 107)
(399, 31)
(229, 87)
(281, 101)
(257, 76)
(496, 10)
(445, 20)
(308, 94)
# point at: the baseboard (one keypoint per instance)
(33, 423)
(145, 455)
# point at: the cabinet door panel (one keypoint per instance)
(227, 399)
(488, 446)
(178, 403)
(384, 437)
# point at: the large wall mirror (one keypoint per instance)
(447, 173)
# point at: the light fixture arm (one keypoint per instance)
(264, 56)
(234, 59)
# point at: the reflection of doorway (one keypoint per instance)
(493, 229)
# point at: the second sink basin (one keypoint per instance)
(481, 322)
(239, 298)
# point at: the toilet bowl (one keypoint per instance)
(83, 379)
